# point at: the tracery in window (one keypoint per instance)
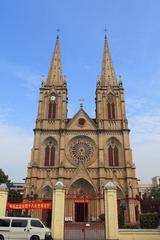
(113, 154)
(50, 154)
(111, 107)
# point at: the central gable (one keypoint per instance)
(80, 121)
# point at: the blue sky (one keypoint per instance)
(27, 38)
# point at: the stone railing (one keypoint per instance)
(139, 234)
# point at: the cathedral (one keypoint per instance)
(82, 152)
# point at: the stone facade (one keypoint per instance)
(82, 152)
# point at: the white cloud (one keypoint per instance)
(135, 103)
(144, 123)
(15, 145)
(147, 125)
(4, 113)
(146, 156)
(28, 78)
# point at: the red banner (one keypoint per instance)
(30, 205)
(81, 201)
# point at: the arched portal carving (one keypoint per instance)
(82, 188)
(81, 204)
(46, 193)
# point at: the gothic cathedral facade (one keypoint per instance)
(82, 152)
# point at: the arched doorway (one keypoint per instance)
(46, 195)
(81, 204)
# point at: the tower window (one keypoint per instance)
(52, 110)
(50, 155)
(113, 155)
(111, 107)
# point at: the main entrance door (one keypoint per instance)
(81, 212)
(81, 203)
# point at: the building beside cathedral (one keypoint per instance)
(82, 152)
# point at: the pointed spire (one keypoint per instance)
(107, 74)
(55, 72)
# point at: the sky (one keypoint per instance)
(27, 39)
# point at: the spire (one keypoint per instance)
(107, 74)
(55, 72)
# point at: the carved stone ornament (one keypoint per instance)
(81, 149)
(110, 186)
(59, 185)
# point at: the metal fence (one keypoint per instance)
(89, 231)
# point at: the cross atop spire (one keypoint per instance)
(107, 74)
(81, 100)
(55, 72)
(58, 30)
(105, 31)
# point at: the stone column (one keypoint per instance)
(57, 226)
(3, 199)
(132, 214)
(111, 215)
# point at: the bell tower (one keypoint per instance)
(110, 105)
(53, 94)
(112, 122)
(46, 156)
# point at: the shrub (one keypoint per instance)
(149, 220)
(132, 226)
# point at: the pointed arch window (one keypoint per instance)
(50, 154)
(111, 107)
(52, 108)
(113, 154)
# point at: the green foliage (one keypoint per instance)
(14, 196)
(149, 220)
(155, 192)
(151, 201)
(4, 178)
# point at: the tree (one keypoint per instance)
(155, 192)
(4, 178)
(13, 196)
(151, 200)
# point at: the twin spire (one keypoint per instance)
(55, 73)
(107, 76)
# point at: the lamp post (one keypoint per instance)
(30, 197)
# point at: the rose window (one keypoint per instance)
(82, 149)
